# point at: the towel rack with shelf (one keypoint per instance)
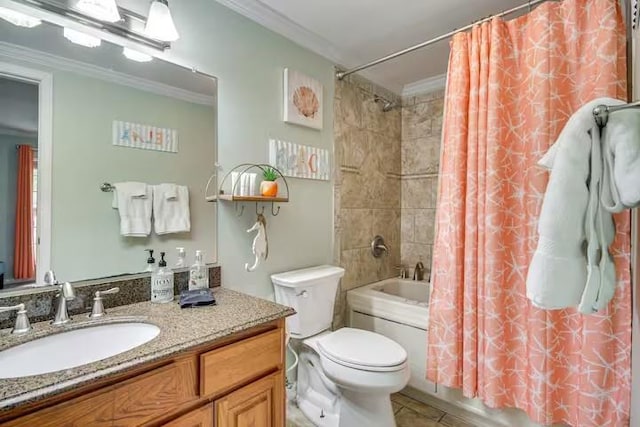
(232, 196)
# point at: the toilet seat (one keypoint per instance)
(362, 350)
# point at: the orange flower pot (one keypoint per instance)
(269, 188)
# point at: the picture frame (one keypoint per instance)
(303, 100)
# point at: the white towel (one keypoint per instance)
(621, 151)
(558, 274)
(133, 201)
(171, 209)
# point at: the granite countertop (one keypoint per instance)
(180, 330)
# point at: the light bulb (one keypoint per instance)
(104, 10)
(160, 24)
(80, 38)
(18, 18)
(135, 55)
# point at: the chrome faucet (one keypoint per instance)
(98, 307)
(418, 272)
(22, 320)
(378, 247)
(66, 293)
(403, 273)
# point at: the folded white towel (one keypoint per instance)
(171, 209)
(621, 151)
(133, 201)
(558, 274)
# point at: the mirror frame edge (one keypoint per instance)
(44, 80)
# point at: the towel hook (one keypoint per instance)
(241, 208)
(259, 213)
(274, 213)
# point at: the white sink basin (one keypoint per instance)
(73, 348)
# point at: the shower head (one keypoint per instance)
(386, 104)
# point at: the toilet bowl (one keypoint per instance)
(346, 377)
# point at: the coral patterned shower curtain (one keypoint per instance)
(511, 88)
(24, 264)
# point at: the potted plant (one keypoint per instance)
(269, 186)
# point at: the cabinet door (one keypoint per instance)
(260, 404)
(202, 417)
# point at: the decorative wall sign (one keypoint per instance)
(299, 161)
(134, 135)
(302, 99)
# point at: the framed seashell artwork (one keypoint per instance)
(302, 99)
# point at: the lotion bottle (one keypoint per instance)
(198, 274)
(162, 282)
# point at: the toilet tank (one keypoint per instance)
(312, 293)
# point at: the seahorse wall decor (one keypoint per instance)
(260, 245)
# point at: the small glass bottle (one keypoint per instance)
(198, 274)
(182, 255)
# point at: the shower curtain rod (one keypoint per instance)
(342, 74)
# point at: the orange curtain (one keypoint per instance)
(511, 88)
(24, 265)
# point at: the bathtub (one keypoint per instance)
(399, 309)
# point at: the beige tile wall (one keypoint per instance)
(367, 185)
(386, 180)
(421, 134)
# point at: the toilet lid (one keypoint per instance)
(359, 348)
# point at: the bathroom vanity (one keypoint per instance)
(211, 366)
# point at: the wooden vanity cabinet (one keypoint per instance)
(235, 382)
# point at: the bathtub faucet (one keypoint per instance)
(404, 273)
(378, 247)
(418, 272)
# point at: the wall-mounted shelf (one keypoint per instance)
(227, 191)
(232, 198)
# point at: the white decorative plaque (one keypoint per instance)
(134, 135)
(300, 161)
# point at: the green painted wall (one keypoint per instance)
(248, 61)
(86, 241)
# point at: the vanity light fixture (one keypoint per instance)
(160, 24)
(104, 10)
(18, 18)
(83, 39)
(135, 55)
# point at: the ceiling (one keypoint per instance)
(354, 32)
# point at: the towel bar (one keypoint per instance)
(601, 112)
(107, 188)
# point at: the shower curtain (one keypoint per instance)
(24, 264)
(511, 88)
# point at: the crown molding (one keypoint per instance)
(271, 19)
(428, 85)
(32, 56)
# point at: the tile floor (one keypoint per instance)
(408, 412)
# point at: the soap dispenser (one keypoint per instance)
(151, 261)
(198, 274)
(162, 282)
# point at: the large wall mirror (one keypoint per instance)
(73, 118)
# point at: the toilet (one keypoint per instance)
(345, 377)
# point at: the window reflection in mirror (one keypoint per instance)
(18, 182)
